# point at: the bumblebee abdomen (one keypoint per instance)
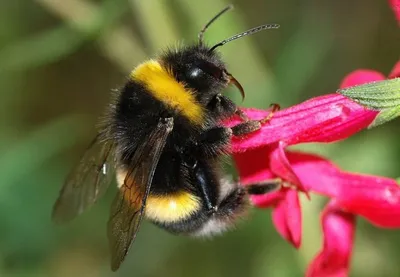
(161, 84)
(173, 207)
(170, 206)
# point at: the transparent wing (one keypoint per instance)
(87, 182)
(129, 204)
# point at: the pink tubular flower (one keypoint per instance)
(395, 4)
(263, 156)
(395, 71)
(339, 233)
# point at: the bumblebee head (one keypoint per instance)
(200, 68)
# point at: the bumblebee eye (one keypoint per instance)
(203, 69)
(195, 73)
(212, 70)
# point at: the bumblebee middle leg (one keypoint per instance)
(210, 144)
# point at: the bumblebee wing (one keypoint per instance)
(87, 181)
(129, 204)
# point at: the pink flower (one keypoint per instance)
(262, 156)
(395, 4)
(325, 118)
(338, 227)
(395, 71)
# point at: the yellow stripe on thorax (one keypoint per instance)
(165, 88)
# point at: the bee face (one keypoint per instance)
(200, 70)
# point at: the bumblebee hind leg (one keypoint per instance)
(234, 204)
(237, 201)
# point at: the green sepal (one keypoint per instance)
(382, 96)
(385, 116)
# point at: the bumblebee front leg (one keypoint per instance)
(217, 136)
(248, 126)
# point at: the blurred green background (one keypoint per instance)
(59, 60)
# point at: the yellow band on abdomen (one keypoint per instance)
(172, 208)
(166, 89)
(167, 208)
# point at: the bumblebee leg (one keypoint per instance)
(216, 136)
(242, 115)
(237, 201)
(203, 180)
(249, 126)
(234, 203)
(246, 127)
(274, 108)
(211, 143)
(264, 187)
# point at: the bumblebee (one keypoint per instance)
(164, 140)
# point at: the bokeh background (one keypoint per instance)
(59, 60)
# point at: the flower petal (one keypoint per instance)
(361, 76)
(375, 198)
(326, 118)
(257, 171)
(334, 259)
(313, 172)
(396, 69)
(268, 200)
(287, 218)
(395, 4)
(253, 166)
(316, 173)
(281, 167)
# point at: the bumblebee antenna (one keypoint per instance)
(202, 31)
(246, 33)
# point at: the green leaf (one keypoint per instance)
(383, 96)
